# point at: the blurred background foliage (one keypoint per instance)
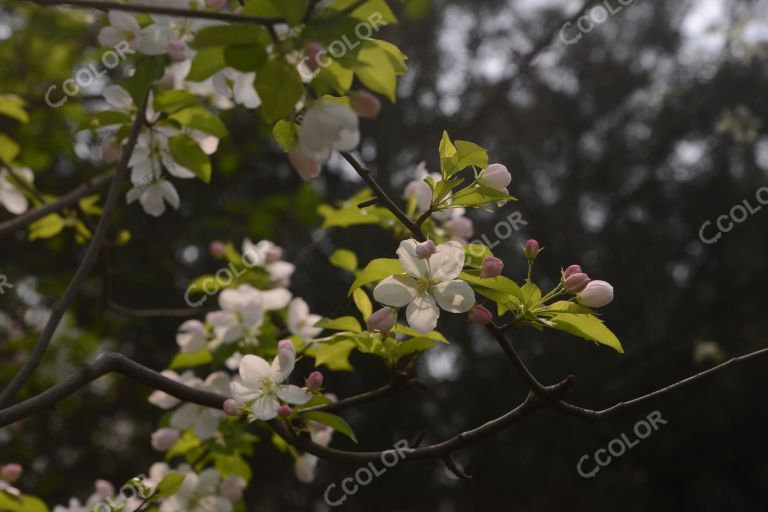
(620, 147)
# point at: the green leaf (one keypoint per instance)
(433, 335)
(13, 106)
(148, 71)
(376, 70)
(447, 149)
(498, 283)
(377, 270)
(479, 196)
(246, 57)
(187, 153)
(232, 465)
(580, 321)
(474, 254)
(192, 359)
(169, 485)
(105, 118)
(345, 259)
(363, 303)
(207, 62)
(457, 156)
(344, 323)
(336, 422)
(407, 347)
(285, 134)
(222, 35)
(292, 10)
(200, 118)
(351, 216)
(334, 355)
(280, 87)
(23, 503)
(531, 294)
(333, 78)
(9, 150)
(48, 226)
(170, 100)
(187, 442)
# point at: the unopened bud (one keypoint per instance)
(273, 254)
(164, 438)
(495, 176)
(492, 267)
(480, 315)
(305, 166)
(365, 104)
(284, 411)
(11, 472)
(178, 50)
(576, 282)
(383, 320)
(104, 489)
(314, 381)
(231, 407)
(314, 49)
(596, 294)
(217, 249)
(286, 345)
(531, 249)
(426, 249)
(460, 228)
(573, 269)
(216, 4)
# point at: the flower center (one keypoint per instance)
(423, 285)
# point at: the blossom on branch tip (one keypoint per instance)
(491, 267)
(10, 196)
(365, 104)
(231, 407)
(11, 472)
(204, 420)
(191, 336)
(304, 165)
(572, 269)
(261, 385)
(164, 438)
(480, 315)
(576, 282)
(383, 320)
(495, 176)
(426, 285)
(328, 126)
(314, 381)
(301, 322)
(531, 249)
(596, 294)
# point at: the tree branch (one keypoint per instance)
(156, 9)
(65, 201)
(91, 254)
(384, 199)
(390, 389)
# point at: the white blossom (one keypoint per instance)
(191, 336)
(204, 420)
(10, 196)
(328, 126)
(427, 284)
(301, 322)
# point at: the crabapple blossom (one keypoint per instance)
(262, 255)
(301, 322)
(419, 189)
(306, 463)
(328, 126)
(11, 472)
(365, 104)
(383, 320)
(104, 489)
(531, 249)
(283, 411)
(162, 399)
(305, 166)
(150, 40)
(480, 315)
(204, 420)
(572, 269)
(425, 249)
(261, 385)
(164, 438)
(191, 336)
(217, 249)
(232, 488)
(242, 312)
(491, 267)
(576, 282)
(314, 381)
(427, 284)
(460, 228)
(153, 197)
(596, 294)
(495, 176)
(10, 196)
(198, 493)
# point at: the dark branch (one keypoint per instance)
(91, 254)
(370, 396)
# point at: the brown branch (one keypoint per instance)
(70, 198)
(384, 199)
(156, 312)
(390, 389)
(89, 260)
(156, 9)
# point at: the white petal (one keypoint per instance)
(207, 423)
(123, 21)
(455, 296)
(281, 271)
(447, 262)
(412, 264)
(110, 36)
(293, 394)
(242, 393)
(347, 140)
(275, 299)
(282, 365)
(184, 416)
(244, 91)
(265, 407)
(14, 201)
(154, 39)
(170, 194)
(395, 291)
(118, 97)
(152, 201)
(253, 370)
(422, 313)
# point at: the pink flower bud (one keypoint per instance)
(217, 249)
(480, 315)
(596, 294)
(426, 249)
(216, 5)
(231, 407)
(314, 50)
(576, 282)
(314, 381)
(495, 176)
(492, 267)
(284, 411)
(573, 269)
(177, 50)
(531, 249)
(365, 104)
(11, 472)
(286, 345)
(164, 438)
(104, 489)
(460, 228)
(383, 320)
(110, 151)
(305, 166)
